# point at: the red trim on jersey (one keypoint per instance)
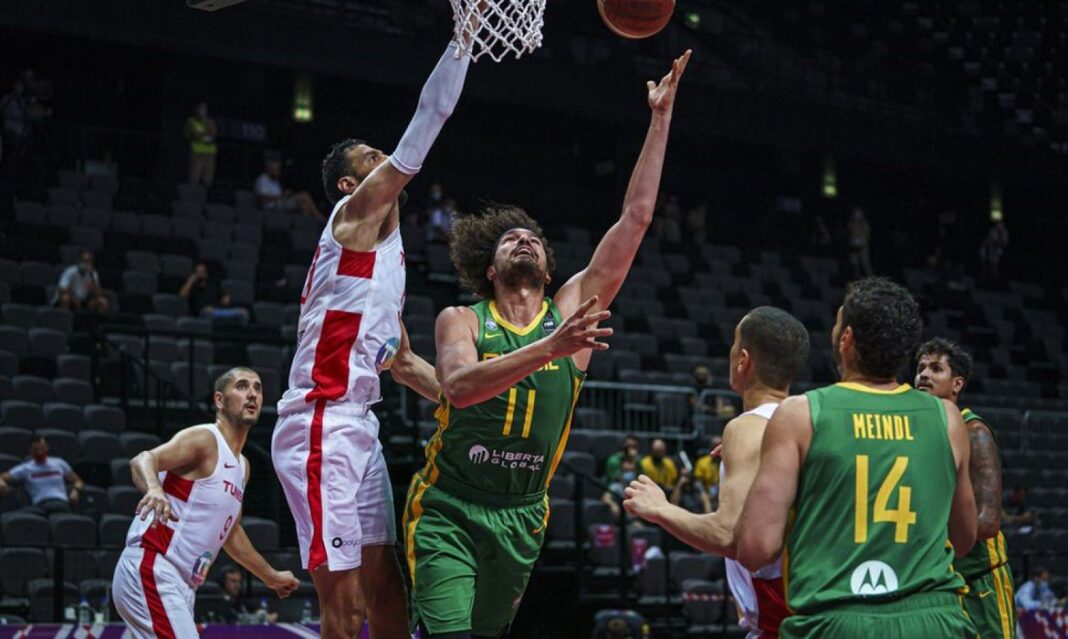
(311, 276)
(177, 487)
(317, 552)
(356, 263)
(161, 624)
(330, 371)
(157, 538)
(771, 605)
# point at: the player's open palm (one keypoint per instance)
(283, 583)
(662, 96)
(643, 498)
(580, 331)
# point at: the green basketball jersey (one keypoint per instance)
(986, 554)
(509, 444)
(873, 500)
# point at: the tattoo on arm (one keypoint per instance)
(985, 470)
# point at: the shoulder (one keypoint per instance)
(793, 407)
(59, 461)
(197, 436)
(453, 315)
(744, 428)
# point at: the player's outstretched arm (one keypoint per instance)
(414, 371)
(240, 548)
(466, 381)
(713, 532)
(375, 196)
(193, 447)
(985, 473)
(963, 518)
(614, 254)
(761, 528)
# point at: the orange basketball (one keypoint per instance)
(636, 19)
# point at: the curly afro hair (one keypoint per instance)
(474, 242)
(886, 325)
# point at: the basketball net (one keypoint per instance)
(497, 28)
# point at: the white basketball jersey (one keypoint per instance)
(206, 509)
(349, 329)
(759, 593)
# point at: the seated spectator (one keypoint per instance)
(79, 287)
(1016, 513)
(201, 289)
(273, 197)
(225, 310)
(706, 470)
(439, 227)
(613, 465)
(659, 467)
(628, 472)
(1036, 593)
(45, 479)
(232, 582)
(689, 494)
(708, 404)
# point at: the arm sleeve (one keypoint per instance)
(436, 102)
(18, 473)
(64, 466)
(66, 279)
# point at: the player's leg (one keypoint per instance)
(342, 605)
(387, 598)
(441, 561)
(507, 553)
(151, 597)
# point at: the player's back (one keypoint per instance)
(873, 502)
(349, 328)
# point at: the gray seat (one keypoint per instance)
(114, 526)
(9, 364)
(61, 443)
(23, 315)
(194, 325)
(264, 356)
(42, 594)
(123, 500)
(99, 219)
(170, 304)
(139, 282)
(13, 339)
(580, 463)
(47, 342)
(63, 416)
(20, 566)
(72, 530)
(142, 262)
(134, 443)
(175, 265)
(79, 565)
(38, 274)
(99, 447)
(120, 472)
(561, 521)
(268, 313)
(73, 391)
(74, 366)
(14, 441)
(31, 388)
(262, 532)
(202, 351)
(104, 418)
(24, 529)
(14, 412)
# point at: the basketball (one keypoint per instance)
(636, 19)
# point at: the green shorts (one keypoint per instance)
(989, 602)
(936, 615)
(469, 559)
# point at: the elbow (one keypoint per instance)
(753, 553)
(456, 395)
(641, 213)
(989, 525)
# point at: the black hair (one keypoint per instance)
(336, 166)
(779, 344)
(886, 324)
(37, 438)
(222, 382)
(960, 361)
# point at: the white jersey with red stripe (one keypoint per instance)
(349, 329)
(758, 594)
(206, 509)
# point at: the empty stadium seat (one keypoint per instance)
(20, 566)
(104, 418)
(134, 443)
(41, 593)
(63, 416)
(72, 530)
(21, 414)
(263, 533)
(73, 391)
(24, 529)
(123, 500)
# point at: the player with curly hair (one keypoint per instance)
(511, 367)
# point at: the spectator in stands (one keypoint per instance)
(79, 287)
(715, 405)
(200, 130)
(697, 224)
(201, 289)
(667, 223)
(439, 227)
(991, 250)
(614, 495)
(859, 234)
(659, 467)
(1017, 514)
(273, 197)
(232, 583)
(1036, 593)
(613, 466)
(45, 479)
(706, 470)
(689, 494)
(225, 310)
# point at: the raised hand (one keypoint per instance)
(580, 331)
(155, 503)
(662, 96)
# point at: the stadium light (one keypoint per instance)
(303, 102)
(830, 178)
(997, 214)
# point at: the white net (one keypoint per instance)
(498, 28)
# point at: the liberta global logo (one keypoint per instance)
(478, 454)
(511, 460)
(873, 578)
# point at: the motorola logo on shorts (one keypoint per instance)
(478, 454)
(338, 542)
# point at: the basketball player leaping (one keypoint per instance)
(325, 446)
(511, 367)
(770, 347)
(944, 369)
(877, 475)
(194, 485)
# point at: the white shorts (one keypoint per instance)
(330, 464)
(152, 597)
